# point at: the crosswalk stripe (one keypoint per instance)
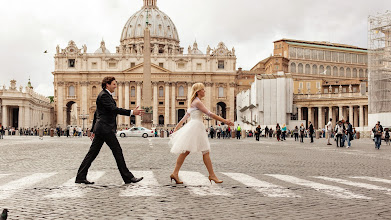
(373, 179)
(327, 189)
(72, 190)
(146, 187)
(350, 183)
(263, 187)
(12, 187)
(199, 185)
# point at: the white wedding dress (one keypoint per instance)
(192, 136)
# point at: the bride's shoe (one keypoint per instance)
(176, 179)
(215, 179)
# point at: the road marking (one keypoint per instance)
(149, 186)
(12, 187)
(327, 189)
(263, 187)
(150, 143)
(199, 184)
(350, 183)
(70, 189)
(374, 179)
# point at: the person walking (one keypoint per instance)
(283, 133)
(329, 130)
(278, 131)
(1, 131)
(191, 137)
(104, 128)
(257, 132)
(387, 136)
(266, 132)
(339, 132)
(311, 132)
(302, 129)
(349, 133)
(377, 132)
(238, 131)
(296, 133)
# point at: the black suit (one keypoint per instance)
(312, 133)
(104, 126)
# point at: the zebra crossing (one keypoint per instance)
(267, 185)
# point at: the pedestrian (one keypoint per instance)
(1, 131)
(266, 132)
(339, 132)
(349, 133)
(387, 136)
(278, 131)
(283, 132)
(302, 129)
(104, 128)
(296, 133)
(191, 137)
(211, 132)
(238, 131)
(377, 132)
(311, 132)
(257, 132)
(329, 131)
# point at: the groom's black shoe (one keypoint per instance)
(84, 181)
(134, 180)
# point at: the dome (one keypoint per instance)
(102, 48)
(99, 50)
(160, 25)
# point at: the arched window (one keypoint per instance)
(94, 91)
(335, 71)
(341, 72)
(161, 91)
(181, 91)
(71, 91)
(361, 73)
(328, 70)
(314, 69)
(133, 91)
(354, 73)
(221, 92)
(300, 68)
(307, 69)
(321, 70)
(348, 72)
(293, 67)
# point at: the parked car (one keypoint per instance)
(136, 132)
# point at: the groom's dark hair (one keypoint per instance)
(107, 80)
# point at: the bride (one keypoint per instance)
(192, 137)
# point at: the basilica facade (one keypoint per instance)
(78, 74)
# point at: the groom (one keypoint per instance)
(104, 129)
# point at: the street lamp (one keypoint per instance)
(207, 118)
(83, 117)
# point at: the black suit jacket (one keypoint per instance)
(105, 117)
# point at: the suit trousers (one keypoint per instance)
(111, 140)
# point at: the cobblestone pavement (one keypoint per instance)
(266, 179)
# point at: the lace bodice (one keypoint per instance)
(196, 114)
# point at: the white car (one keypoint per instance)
(136, 132)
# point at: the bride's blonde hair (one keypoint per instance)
(194, 89)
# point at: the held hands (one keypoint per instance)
(137, 111)
(92, 136)
(229, 123)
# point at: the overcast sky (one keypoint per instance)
(28, 28)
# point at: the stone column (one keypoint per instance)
(366, 116)
(340, 113)
(310, 117)
(138, 103)
(361, 116)
(355, 113)
(173, 103)
(155, 106)
(127, 102)
(189, 85)
(167, 104)
(299, 116)
(5, 116)
(120, 102)
(208, 95)
(27, 117)
(330, 113)
(21, 117)
(60, 104)
(84, 98)
(351, 114)
(231, 98)
(320, 118)
(335, 119)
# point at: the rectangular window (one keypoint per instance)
(344, 89)
(112, 65)
(161, 65)
(132, 103)
(221, 64)
(181, 65)
(71, 63)
(160, 103)
(199, 66)
(181, 103)
(325, 90)
(132, 65)
(94, 65)
(308, 85)
(317, 84)
(300, 85)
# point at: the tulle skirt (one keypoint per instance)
(191, 137)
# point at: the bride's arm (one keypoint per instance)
(182, 121)
(202, 108)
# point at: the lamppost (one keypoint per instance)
(83, 117)
(207, 118)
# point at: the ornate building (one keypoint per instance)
(330, 80)
(78, 74)
(24, 108)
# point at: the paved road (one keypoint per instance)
(266, 179)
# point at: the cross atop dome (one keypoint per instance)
(150, 3)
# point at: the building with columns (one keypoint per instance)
(24, 108)
(78, 74)
(330, 80)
